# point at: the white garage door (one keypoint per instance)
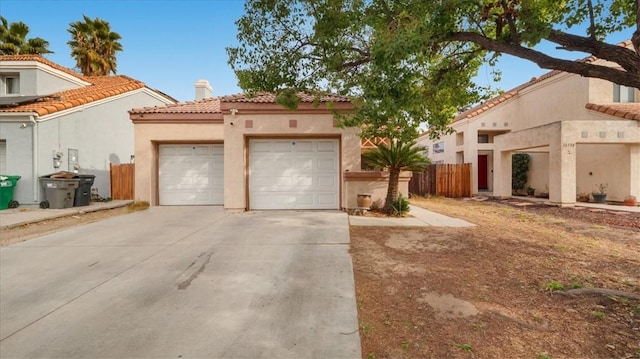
(191, 174)
(294, 174)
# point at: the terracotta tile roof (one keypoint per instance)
(476, 110)
(42, 60)
(101, 87)
(207, 105)
(263, 97)
(628, 111)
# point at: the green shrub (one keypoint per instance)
(400, 206)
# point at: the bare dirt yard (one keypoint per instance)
(501, 289)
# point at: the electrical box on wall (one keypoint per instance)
(74, 162)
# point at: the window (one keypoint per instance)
(438, 147)
(623, 94)
(11, 85)
(483, 138)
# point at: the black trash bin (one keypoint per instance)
(59, 190)
(83, 192)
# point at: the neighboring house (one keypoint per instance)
(580, 132)
(250, 153)
(54, 119)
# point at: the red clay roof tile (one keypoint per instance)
(101, 87)
(629, 111)
(207, 105)
(264, 97)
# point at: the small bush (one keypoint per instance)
(400, 206)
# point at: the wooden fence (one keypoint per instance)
(449, 180)
(123, 181)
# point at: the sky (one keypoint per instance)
(171, 44)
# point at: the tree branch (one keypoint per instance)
(628, 59)
(621, 77)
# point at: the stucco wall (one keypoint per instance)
(19, 156)
(237, 131)
(374, 183)
(604, 163)
(538, 175)
(147, 139)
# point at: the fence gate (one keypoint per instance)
(449, 180)
(122, 181)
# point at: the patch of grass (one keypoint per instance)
(405, 345)
(628, 282)
(366, 328)
(138, 206)
(543, 356)
(554, 285)
(576, 285)
(477, 327)
(371, 356)
(599, 314)
(465, 347)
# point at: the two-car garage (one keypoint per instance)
(282, 174)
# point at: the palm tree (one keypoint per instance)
(396, 157)
(13, 40)
(94, 46)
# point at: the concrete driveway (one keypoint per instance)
(183, 282)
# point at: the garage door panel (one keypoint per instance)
(327, 146)
(294, 174)
(304, 146)
(191, 174)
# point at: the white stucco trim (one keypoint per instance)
(22, 65)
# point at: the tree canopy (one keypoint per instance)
(13, 40)
(405, 62)
(94, 46)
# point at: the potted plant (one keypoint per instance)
(601, 195)
(531, 191)
(630, 201)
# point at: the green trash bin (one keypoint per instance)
(7, 184)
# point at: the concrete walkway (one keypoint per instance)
(183, 282)
(421, 218)
(22, 215)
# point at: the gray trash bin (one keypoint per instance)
(58, 192)
(83, 192)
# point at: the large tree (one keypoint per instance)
(13, 40)
(411, 61)
(94, 46)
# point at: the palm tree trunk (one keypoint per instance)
(392, 190)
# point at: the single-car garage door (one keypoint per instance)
(191, 174)
(294, 174)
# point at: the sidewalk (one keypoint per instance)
(421, 218)
(26, 214)
(608, 207)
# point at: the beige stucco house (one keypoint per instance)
(580, 132)
(249, 153)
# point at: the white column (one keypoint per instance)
(562, 172)
(470, 151)
(501, 174)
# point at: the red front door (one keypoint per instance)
(482, 172)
